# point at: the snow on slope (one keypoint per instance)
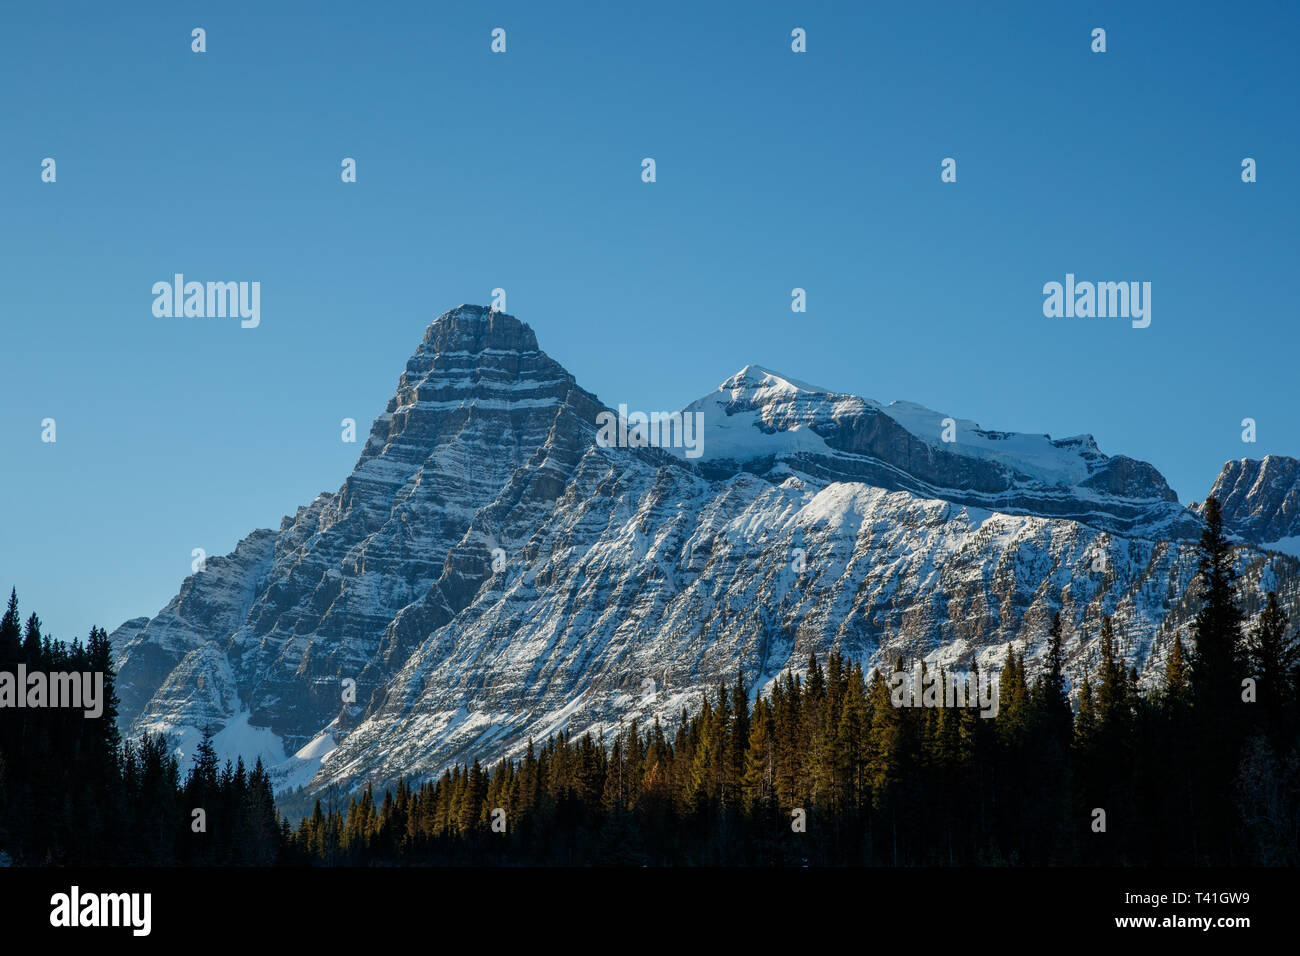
(627, 565)
(742, 414)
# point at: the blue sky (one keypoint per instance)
(478, 170)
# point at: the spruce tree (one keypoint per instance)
(1054, 702)
(1114, 694)
(1273, 656)
(1174, 691)
(32, 642)
(1216, 667)
(1216, 673)
(1085, 724)
(10, 634)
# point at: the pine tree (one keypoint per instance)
(203, 792)
(1114, 704)
(10, 634)
(32, 642)
(1216, 673)
(1216, 668)
(1174, 691)
(758, 783)
(1085, 724)
(1273, 656)
(1013, 699)
(884, 737)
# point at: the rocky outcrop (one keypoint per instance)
(1260, 500)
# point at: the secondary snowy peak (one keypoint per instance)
(1261, 500)
(763, 384)
(763, 421)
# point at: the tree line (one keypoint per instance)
(1202, 768)
(826, 770)
(73, 793)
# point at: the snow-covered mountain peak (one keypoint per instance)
(762, 384)
(759, 412)
(772, 424)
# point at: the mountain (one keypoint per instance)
(495, 570)
(768, 424)
(1260, 501)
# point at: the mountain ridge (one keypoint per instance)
(489, 572)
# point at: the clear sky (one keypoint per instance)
(522, 170)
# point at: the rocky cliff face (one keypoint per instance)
(1260, 501)
(491, 571)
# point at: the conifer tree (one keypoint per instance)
(1174, 691)
(1085, 724)
(1273, 656)
(1114, 706)
(10, 634)
(1053, 700)
(884, 738)
(1216, 673)
(1216, 669)
(32, 642)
